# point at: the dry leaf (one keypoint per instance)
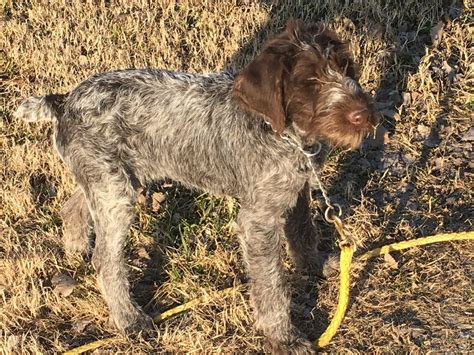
(156, 199)
(141, 198)
(142, 253)
(390, 261)
(81, 324)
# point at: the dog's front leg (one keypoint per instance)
(261, 234)
(303, 239)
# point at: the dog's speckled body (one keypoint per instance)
(220, 133)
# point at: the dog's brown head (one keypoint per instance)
(306, 77)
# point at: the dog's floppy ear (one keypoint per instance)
(259, 88)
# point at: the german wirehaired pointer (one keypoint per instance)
(224, 133)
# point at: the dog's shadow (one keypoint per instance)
(180, 235)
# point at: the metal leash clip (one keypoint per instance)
(332, 217)
(345, 237)
(333, 212)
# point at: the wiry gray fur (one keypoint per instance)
(125, 128)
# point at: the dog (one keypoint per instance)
(235, 134)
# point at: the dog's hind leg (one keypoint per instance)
(110, 197)
(76, 222)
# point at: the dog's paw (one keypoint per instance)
(328, 264)
(321, 264)
(134, 324)
(299, 346)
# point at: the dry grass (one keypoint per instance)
(420, 184)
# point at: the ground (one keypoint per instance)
(415, 57)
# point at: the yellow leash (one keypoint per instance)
(166, 314)
(416, 243)
(343, 299)
(347, 252)
(345, 262)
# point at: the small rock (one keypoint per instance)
(408, 159)
(465, 334)
(454, 12)
(438, 164)
(63, 284)
(432, 141)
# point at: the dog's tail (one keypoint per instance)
(41, 108)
